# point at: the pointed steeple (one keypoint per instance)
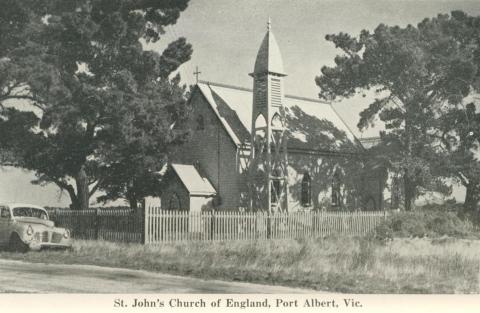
(269, 59)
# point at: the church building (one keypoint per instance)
(260, 149)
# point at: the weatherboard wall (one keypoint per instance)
(212, 150)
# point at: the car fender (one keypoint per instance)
(15, 232)
(19, 231)
(18, 227)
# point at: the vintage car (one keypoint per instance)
(25, 226)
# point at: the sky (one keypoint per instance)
(226, 35)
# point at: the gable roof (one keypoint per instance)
(193, 182)
(313, 125)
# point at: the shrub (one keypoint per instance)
(383, 232)
(408, 226)
(428, 222)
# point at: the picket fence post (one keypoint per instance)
(145, 238)
(96, 224)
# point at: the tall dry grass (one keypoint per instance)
(334, 264)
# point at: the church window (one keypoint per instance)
(371, 204)
(306, 196)
(336, 190)
(174, 203)
(396, 192)
(275, 190)
(200, 122)
(276, 186)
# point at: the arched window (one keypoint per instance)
(200, 122)
(276, 190)
(370, 204)
(306, 196)
(336, 190)
(276, 186)
(174, 202)
(396, 192)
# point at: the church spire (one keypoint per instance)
(269, 58)
(268, 136)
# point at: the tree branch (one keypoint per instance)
(463, 179)
(94, 188)
(62, 185)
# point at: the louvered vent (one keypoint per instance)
(276, 92)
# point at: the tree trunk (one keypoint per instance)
(133, 203)
(131, 196)
(472, 197)
(409, 193)
(73, 197)
(82, 189)
(409, 187)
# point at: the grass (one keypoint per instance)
(337, 264)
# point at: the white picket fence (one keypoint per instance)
(168, 226)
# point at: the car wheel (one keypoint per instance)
(16, 244)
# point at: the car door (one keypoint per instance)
(5, 220)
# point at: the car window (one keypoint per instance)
(4, 212)
(30, 212)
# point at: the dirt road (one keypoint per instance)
(17, 276)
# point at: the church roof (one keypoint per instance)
(269, 58)
(191, 179)
(313, 125)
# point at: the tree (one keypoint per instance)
(459, 131)
(459, 124)
(414, 72)
(98, 80)
(135, 157)
(22, 60)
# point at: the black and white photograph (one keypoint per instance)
(251, 148)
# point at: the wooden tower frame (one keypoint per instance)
(269, 160)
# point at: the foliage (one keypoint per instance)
(459, 132)
(459, 123)
(138, 150)
(414, 72)
(102, 103)
(430, 222)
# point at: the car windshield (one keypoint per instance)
(30, 212)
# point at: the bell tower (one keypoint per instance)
(268, 137)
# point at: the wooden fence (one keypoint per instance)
(157, 225)
(164, 226)
(112, 224)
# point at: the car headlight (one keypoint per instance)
(66, 234)
(29, 230)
